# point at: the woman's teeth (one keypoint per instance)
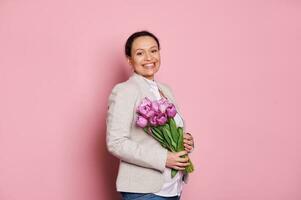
(149, 65)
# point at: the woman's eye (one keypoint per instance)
(139, 54)
(154, 51)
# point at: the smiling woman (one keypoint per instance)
(145, 167)
(143, 55)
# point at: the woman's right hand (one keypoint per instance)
(175, 161)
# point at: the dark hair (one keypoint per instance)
(130, 40)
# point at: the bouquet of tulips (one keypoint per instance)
(157, 119)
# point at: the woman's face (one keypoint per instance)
(145, 57)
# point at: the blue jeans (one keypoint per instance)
(145, 196)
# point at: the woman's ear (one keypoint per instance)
(129, 60)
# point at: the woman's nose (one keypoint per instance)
(148, 56)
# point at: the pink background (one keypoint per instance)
(234, 67)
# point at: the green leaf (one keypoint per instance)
(174, 132)
(173, 172)
(180, 139)
(167, 138)
(156, 131)
(158, 137)
(167, 133)
(157, 134)
(173, 141)
(189, 168)
(145, 129)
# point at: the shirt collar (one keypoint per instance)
(151, 83)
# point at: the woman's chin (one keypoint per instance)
(151, 71)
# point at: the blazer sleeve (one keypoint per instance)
(119, 121)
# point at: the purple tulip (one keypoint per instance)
(163, 104)
(145, 108)
(150, 114)
(163, 107)
(155, 106)
(141, 121)
(162, 118)
(154, 113)
(153, 121)
(171, 110)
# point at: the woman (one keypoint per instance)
(145, 166)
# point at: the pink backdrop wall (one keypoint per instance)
(234, 67)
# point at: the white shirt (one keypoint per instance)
(172, 186)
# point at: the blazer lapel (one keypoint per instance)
(143, 86)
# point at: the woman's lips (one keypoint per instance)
(149, 65)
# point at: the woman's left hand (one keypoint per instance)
(188, 142)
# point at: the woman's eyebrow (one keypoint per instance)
(150, 48)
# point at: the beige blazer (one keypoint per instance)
(142, 159)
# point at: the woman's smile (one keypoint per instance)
(149, 65)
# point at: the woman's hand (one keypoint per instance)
(175, 161)
(188, 142)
